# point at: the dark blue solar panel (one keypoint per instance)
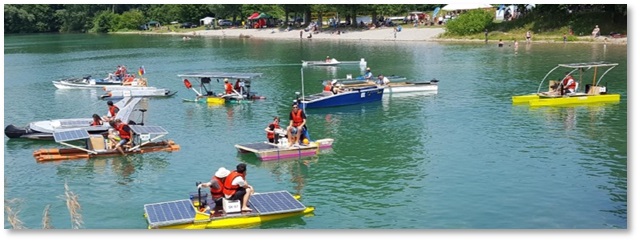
(67, 135)
(275, 202)
(138, 129)
(170, 213)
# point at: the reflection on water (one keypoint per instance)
(294, 170)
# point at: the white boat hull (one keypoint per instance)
(92, 84)
(151, 92)
(406, 87)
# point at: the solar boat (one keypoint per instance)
(205, 91)
(199, 211)
(83, 145)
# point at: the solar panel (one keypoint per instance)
(222, 75)
(67, 135)
(170, 213)
(275, 202)
(76, 122)
(139, 129)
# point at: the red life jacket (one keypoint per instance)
(112, 110)
(271, 134)
(297, 117)
(123, 134)
(328, 87)
(216, 193)
(228, 88)
(567, 85)
(229, 189)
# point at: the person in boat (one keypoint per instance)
(272, 137)
(228, 88)
(329, 86)
(297, 124)
(113, 111)
(327, 60)
(215, 185)
(97, 121)
(113, 137)
(367, 74)
(568, 84)
(125, 133)
(239, 86)
(382, 80)
(236, 187)
(128, 80)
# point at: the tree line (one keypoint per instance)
(102, 18)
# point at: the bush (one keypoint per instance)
(471, 22)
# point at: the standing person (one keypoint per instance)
(216, 184)
(272, 137)
(596, 32)
(236, 187)
(125, 133)
(500, 43)
(486, 35)
(564, 38)
(298, 120)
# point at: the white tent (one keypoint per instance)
(206, 20)
(465, 6)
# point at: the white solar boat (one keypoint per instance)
(200, 212)
(130, 111)
(83, 145)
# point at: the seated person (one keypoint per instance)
(272, 136)
(327, 60)
(382, 80)
(97, 121)
(367, 74)
(568, 84)
(215, 184)
(113, 137)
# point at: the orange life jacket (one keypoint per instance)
(123, 134)
(567, 85)
(297, 117)
(216, 193)
(229, 189)
(112, 110)
(271, 134)
(228, 88)
(328, 87)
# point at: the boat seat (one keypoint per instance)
(97, 142)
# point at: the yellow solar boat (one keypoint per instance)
(593, 93)
(194, 213)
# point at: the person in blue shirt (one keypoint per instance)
(367, 74)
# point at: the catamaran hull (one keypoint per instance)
(43, 155)
(562, 101)
(271, 152)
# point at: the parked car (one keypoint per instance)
(224, 22)
(143, 27)
(188, 25)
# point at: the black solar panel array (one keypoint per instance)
(67, 135)
(170, 213)
(275, 202)
(139, 129)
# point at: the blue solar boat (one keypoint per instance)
(195, 213)
(348, 96)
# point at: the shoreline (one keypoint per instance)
(378, 34)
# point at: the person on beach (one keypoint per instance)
(236, 187)
(500, 43)
(486, 35)
(528, 36)
(596, 32)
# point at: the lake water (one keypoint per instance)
(464, 158)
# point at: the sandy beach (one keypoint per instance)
(378, 34)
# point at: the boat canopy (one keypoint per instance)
(230, 75)
(582, 67)
(588, 64)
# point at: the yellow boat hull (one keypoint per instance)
(235, 222)
(215, 100)
(524, 99)
(576, 100)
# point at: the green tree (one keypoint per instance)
(471, 22)
(17, 20)
(131, 19)
(104, 22)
